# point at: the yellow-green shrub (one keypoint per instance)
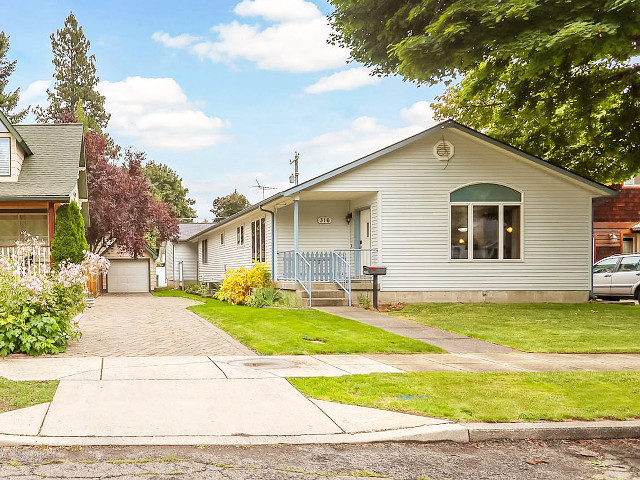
(238, 283)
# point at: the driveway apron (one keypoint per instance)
(144, 325)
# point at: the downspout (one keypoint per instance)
(273, 242)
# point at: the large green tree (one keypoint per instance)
(167, 187)
(69, 241)
(75, 79)
(228, 205)
(559, 79)
(8, 99)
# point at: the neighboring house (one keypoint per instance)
(616, 221)
(453, 214)
(181, 257)
(128, 274)
(41, 167)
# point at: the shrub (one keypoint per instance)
(197, 289)
(69, 242)
(265, 296)
(37, 307)
(364, 301)
(238, 283)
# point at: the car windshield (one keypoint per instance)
(605, 266)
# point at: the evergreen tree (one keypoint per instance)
(69, 239)
(75, 79)
(8, 100)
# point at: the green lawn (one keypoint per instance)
(538, 327)
(274, 331)
(14, 395)
(488, 397)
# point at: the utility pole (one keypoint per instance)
(294, 178)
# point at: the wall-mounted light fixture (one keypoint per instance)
(348, 217)
(613, 236)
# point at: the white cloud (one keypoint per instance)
(179, 41)
(156, 114)
(420, 113)
(278, 10)
(345, 80)
(363, 136)
(294, 41)
(35, 91)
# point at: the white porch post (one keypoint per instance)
(295, 237)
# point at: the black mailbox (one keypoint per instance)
(375, 272)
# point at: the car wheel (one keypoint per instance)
(637, 295)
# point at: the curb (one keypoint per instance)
(460, 433)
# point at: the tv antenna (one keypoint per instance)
(293, 178)
(263, 187)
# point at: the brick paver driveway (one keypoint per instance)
(143, 325)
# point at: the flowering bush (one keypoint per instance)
(37, 306)
(238, 283)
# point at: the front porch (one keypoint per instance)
(31, 218)
(322, 242)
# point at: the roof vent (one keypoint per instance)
(443, 150)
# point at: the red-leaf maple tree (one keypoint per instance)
(122, 208)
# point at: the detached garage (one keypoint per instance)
(130, 275)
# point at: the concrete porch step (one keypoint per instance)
(329, 302)
(324, 293)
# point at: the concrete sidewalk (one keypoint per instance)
(449, 341)
(241, 400)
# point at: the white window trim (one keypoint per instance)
(501, 206)
(240, 236)
(10, 142)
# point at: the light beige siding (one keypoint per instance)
(413, 216)
(222, 257)
(182, 252)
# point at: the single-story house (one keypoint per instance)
(181, 257)
(616, 221)
(41, 167)
(453, 214)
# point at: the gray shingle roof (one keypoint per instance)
(51, 173)
(189, 229)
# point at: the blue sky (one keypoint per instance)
(223, 91)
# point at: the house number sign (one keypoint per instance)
(324, 220)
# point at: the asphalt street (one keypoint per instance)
(508, 460)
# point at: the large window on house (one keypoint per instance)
(5, 156)
(204, 247)
(486, 221)
(258, 240)
(13, 225)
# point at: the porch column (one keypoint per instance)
(52, 219)
(295, 237)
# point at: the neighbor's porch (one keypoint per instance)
(34, 218)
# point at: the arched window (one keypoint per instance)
(486, 222)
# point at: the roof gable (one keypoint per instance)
(11, 129)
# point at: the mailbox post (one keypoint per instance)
(375, 272)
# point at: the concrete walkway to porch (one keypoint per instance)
(449, 341)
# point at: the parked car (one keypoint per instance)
(617, 276)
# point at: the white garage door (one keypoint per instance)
(128, 276)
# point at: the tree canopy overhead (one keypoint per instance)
(75, 79)
(431, 40)
(558, 79)
(167, 186)
(228, 205)
(9, 100)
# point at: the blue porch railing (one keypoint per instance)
(340, 266)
